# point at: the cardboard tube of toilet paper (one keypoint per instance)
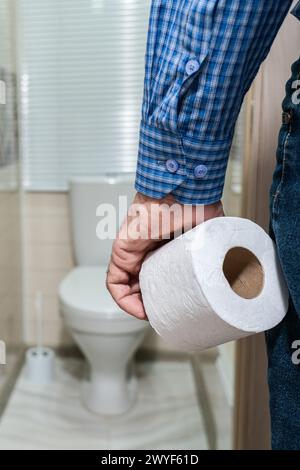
(219, 282)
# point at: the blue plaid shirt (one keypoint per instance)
(201, 58)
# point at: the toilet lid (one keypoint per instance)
(84, 289)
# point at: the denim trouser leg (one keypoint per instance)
(283, 341)
(284, 377)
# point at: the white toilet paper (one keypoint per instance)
(219, 282)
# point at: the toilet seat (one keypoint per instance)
(87, 305)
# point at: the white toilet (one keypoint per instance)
(107, 336)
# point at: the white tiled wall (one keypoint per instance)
(48, 257)
(10, 273)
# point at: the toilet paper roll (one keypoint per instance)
(219, 282)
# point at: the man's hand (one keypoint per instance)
(149, 224)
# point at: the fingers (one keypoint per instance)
(133, 305)
(125, 290)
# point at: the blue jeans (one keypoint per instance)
(283, 341)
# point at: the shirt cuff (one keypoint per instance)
(192, 170)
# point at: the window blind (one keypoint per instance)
(82, 66)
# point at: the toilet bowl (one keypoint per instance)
(106, 335)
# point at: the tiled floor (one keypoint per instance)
(8, 373)
(218, 415)
(166, 415)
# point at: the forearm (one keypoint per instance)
(201, 58)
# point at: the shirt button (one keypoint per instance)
(192, 66)
(172, 166)
(200, 171)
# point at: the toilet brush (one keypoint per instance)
(39, 359)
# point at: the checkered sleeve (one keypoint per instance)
(201, 58)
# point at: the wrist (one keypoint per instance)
(162, 217)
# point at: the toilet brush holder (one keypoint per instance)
(40, 365)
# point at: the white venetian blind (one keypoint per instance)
(81, 88)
